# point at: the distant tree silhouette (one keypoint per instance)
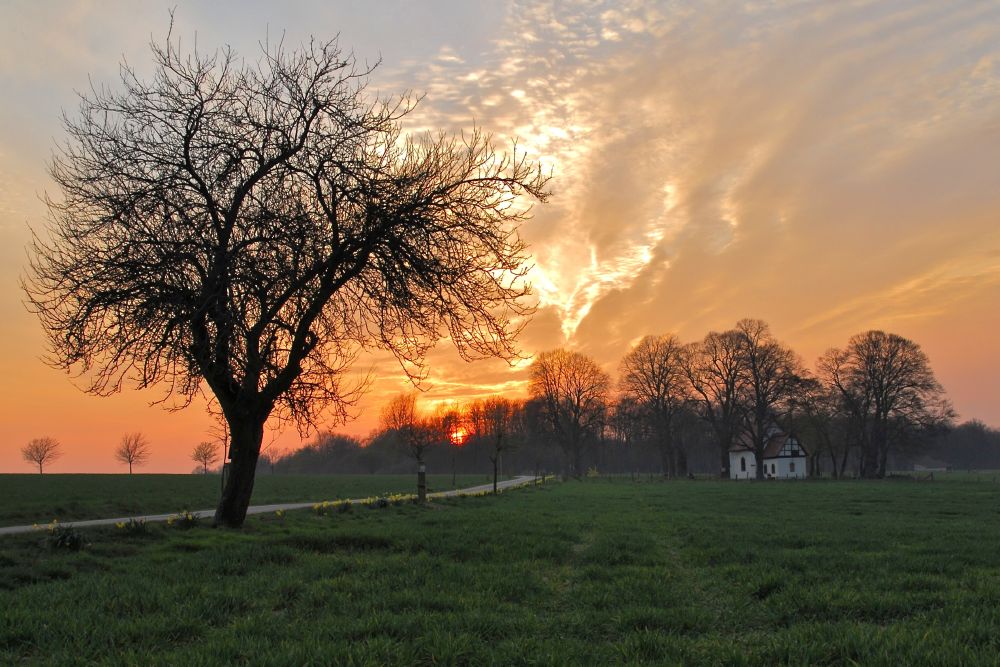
(133, 450)
(415, 432)
(652, 375)
(772, 373)
(41, 451)
(498, 426)
(205, 453)
(885, 384)
(572, 391)
(716, 369)
(251, 225)
(817, 416)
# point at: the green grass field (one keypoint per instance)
(26, 499)
(590, 572)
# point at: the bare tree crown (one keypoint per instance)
(255, 224)
(41, 451)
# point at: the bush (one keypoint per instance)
(184, 519)
(133, 527)
(63, 537)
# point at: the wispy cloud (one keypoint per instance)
(777, 158)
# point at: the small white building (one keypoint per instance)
(784, 458)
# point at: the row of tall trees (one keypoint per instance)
(876, 395)
(678, 406)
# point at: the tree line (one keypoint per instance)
(133, 450)
(677, 408)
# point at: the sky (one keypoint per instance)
(829, 167)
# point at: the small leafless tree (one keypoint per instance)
(133, 450)
(251, 225)
(886, 385)
(500, 418)
(415, 432)
(41, 451)
(205, 453)
(716, 370)
(573, 393)
(653, 376)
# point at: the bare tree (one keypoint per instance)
(816, 414)
(253, 225)
(500, 416)
(717, 373)
(416, 433)
(573, 392)
(653, 376)
(451, 427)
(886, 385)
(205, 453)
(132, 450)
(771, 373)
(41, 451)
(627, 426)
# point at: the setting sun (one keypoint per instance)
(458, 437)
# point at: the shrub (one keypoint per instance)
(183, 519)
(63, 537)
(133, 527)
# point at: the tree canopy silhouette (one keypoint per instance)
(40, 451)
(251, 226)
(572, 391)
(886, 386)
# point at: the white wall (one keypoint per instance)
(783, 468)
(734, 466)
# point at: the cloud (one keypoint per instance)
(826, 166)
(775, 157)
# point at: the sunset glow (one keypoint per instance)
(826, 167)
(458, 437)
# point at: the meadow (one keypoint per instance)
(27, 499)
(585, 572)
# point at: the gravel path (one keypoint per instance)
(264, 509)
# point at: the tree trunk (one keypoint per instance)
(681, 457)
(577, 461)
(244, 447)
(758, 458)
(869, 459)
(665, 461)
(883, 456)
(843, 460)
(724, 461)
(495, 460)
(39, 468)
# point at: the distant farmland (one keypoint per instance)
(591, 572)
